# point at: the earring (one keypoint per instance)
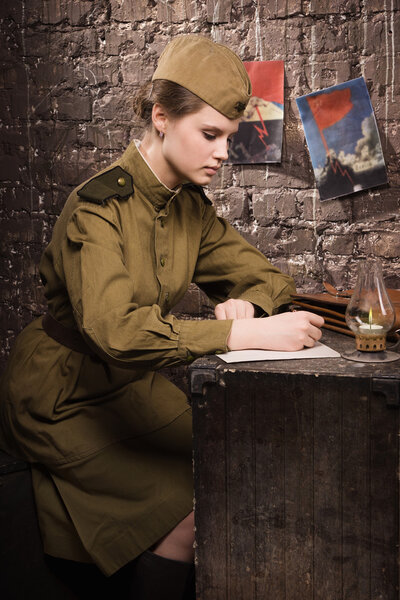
(161, 134)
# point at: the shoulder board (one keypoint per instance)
(113, 183)
(199, 189)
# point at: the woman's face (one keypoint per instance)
(195, 146)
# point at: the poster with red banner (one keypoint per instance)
(259, 138)
(343, 139)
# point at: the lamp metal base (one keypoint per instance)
(381, 356)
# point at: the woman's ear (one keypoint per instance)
(159, 118)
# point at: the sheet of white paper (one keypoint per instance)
(318, 351)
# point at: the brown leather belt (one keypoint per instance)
(71, 338)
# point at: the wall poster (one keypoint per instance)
(343, 139)
(259, 138)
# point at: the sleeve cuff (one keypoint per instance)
(208, 336)
(265, 303)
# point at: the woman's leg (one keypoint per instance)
(166, 572)
(178, 543)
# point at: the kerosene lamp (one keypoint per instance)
(370, 315)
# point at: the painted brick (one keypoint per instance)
(10, 167)
(134, 72)
(73, 107)
(264, 207)
(286, 205)
(330, 37)
(102, 136)
(310, 204)
(130, 11)
(114, 104)
(175, 11)
(50, 75)
(299, 241)
(270, 9)
(85, 11)
(338, 244)
(340, 272)
(338, 209)
(325, 7)
(268, 240)
(271, 176)
(219, 11)
(11, 10)
(49, 136)
(375, 206)
(304, 269)
(382, 244)
(232, 203)
(323, 73)
(371, 6)
(53, 12)
(75, 167)
(121, 38)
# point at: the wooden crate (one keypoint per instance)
(296, 478)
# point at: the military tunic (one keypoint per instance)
(108, 437)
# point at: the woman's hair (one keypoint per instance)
(174, 98)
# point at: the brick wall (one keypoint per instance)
(70, 70)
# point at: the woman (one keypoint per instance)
(108, 437)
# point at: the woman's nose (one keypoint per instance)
(221, 150)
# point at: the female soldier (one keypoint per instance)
(108, 437)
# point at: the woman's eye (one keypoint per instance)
(209, 136)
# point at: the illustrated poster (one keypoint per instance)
(343, 139)
(259, 138)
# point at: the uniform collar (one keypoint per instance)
(144, 178)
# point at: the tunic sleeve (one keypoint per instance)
(101, 291)
(229, 267)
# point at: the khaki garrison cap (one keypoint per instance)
(211, 71)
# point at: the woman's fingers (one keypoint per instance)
(316, 320)
(310, 328)
(234, 309)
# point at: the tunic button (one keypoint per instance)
(162, 261)
(121, 181)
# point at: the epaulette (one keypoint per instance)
(199, 189)
(115, 183)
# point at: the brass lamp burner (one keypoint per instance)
(371, 343)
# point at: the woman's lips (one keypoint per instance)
(211, 170)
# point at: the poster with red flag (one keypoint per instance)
(259, 137)
(343, 139)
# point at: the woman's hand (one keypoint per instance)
(234, 309)
(289, 331)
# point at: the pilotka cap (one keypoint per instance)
(211, 71)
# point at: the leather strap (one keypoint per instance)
(71, 338)
(321, 309)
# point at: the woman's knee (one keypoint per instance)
(183, 533)
(178, 543)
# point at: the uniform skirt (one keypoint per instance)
(110, 450)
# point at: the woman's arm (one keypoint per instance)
(228, 267)
(289, 331)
